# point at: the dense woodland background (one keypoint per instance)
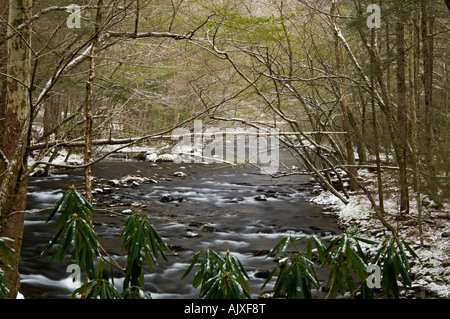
(355, 97)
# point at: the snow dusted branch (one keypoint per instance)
(83, 56)
(366, 79)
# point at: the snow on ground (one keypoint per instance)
(432, 273)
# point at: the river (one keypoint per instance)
(214, 207)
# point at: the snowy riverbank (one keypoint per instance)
(431, 276)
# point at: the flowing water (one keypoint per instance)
(214, 207)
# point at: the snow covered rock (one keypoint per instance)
(261, 197)
(179, 174)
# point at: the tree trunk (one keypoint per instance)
(415, 98)
(428, 56)
(88, 110)
(15, 136)
(89, 103)
(402, 117)
(375, 128)
(350, 156)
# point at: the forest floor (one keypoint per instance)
(431, 274)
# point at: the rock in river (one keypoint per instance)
(166, 198)
(179, 174)
(261, 197)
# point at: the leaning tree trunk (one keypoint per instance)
(15, 134)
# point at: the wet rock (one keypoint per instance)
(208, 229)
(132, 180)
(141, 156)
(231, 200)
(175, 248)
(150, 181)
(267, 295)
(262, 274)
(107, 190)
(261, 198)
(191, 234)
(179, 174)
(114, 182)
(196, 224)
(261, 253)
(127, 212)
(166, 198)
(138, 205)
(97, 191)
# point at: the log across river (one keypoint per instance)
(205, 206)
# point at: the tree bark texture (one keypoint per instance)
(14, 140)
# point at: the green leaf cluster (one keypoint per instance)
(100, 288)
(143, 245)
(219, 277)
(395, 264)
(345, 256)
(103, 287)
(141, 241)
(75, 224)
(348, 263)
(297, 275)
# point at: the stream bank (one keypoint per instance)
(431, 274)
